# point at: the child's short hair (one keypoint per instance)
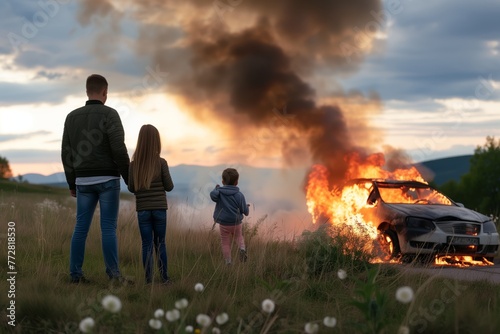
(230, 176)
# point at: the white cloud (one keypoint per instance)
(437, 74)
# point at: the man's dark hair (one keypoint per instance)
(230, 176)
(96, 83)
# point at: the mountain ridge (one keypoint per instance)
(437, 170)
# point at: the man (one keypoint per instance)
(94, 156)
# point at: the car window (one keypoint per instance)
(414, 195)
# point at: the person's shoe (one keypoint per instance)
(120, 280)
(79, 280)
(243, 255)
(167, 282)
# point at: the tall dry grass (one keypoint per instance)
(299, 275)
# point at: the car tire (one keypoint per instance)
(389, 245)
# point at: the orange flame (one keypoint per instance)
(336, 206)
(341, 207)
(462, 261)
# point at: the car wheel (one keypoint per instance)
(389, 245)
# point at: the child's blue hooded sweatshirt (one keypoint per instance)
(230, 205)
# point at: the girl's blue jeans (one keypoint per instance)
(153, 228)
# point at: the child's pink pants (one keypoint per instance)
(227, 233)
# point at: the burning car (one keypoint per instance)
(415, 220)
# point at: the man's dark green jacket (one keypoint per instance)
(93, 143)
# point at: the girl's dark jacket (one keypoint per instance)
(153, 198)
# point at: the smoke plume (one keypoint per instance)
(245, 65)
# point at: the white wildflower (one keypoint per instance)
(268, 306)
(311, 328)
(329, 322)
(112, 304)
(342, 274)
(181, 304)
(155, 324)
(203, 320)
(403, 330)
(159, 313)
(199, 287)
(86, 325)
(173, 315)
(189, 329)
(222, 318)
(404, 294)
(215, 330)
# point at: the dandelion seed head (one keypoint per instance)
(189, 329)
(268, 306)
(155, 324)
(216, 330)
(173, 315)
(330, 322)
(222, 318)
(159, 313)
(86, 325)
(198, 287)
(403, 330)
(181, 304)
(112, 304)
(342, 274)
(311, 328)
(404, 294)
(203, 320)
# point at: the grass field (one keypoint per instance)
(300, 276)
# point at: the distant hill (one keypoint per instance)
(446, 169)
(193, 182)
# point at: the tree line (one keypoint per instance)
(5, 171)
(479, 188)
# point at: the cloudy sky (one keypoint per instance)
(266, 83)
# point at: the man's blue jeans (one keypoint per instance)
(108, 196)
(153, 227)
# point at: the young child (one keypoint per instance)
(149, 178)
(229, 210)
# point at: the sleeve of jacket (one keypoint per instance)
(214, 194)
(68, 159)
(168, 185)
(116, 136)
(243, 205)
(130, 184)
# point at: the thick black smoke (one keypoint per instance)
(236, 62)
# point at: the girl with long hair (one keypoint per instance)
(149, 178)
